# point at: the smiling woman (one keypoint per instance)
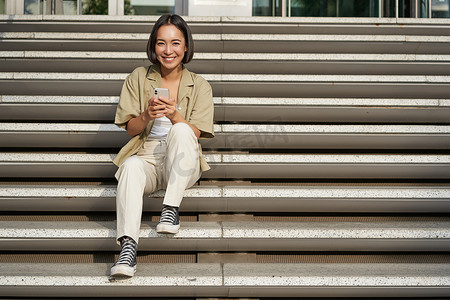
(163, 152)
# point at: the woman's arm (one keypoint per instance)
(136, 125)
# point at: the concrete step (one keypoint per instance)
(413, 234)
(58, 108)
(227, 280)
(232, 63)
(335, 43)
(264, 109)
(99, 23)
(365, 110)
(240, 165)
(390, 26)
(325, 197)
(249, 136)
(235, 42)
(287, 136)
(239, 85)
(143, 24)
(149, 257)
(93, 41)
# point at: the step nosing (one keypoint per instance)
(6, 157)
(324, 57)
(233, 275)
(248, 101)
(300, 37)
(412, 230)
(355, 79)
(247, 128)
(335, 192)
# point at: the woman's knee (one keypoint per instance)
(181, 133)
(132, 164)
(181, 128)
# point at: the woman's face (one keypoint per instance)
(170, 47)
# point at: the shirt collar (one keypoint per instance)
(154, 74)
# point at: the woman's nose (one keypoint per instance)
(168, 49)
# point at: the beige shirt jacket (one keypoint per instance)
(195, 104)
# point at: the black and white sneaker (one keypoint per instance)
(169, 221)
(125, 265)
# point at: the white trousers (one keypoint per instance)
(172, 165)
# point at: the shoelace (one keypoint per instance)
(128, 254)
(169, 215)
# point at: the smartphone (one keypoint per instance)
(160, 92)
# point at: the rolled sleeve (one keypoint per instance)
(129, 104)
(202, 115)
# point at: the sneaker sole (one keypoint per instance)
(167, 228)
(123, 271)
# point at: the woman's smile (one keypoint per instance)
(168, 59)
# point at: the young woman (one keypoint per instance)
(164, 152)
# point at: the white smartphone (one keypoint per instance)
(160, 92)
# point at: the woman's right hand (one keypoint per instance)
(156, 110)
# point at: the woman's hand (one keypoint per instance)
(155, 110)
(160, 107)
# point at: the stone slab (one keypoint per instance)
(229, 198)
(248, 101)
(97, 274)
(17, 157)
(229, 280)
(326, 275)
(414, 229)
(336, 230)
(391, 79)
(94, 36)
(101, 230)
(231, 56)
(238, 128)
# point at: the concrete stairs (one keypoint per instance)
(330, 167)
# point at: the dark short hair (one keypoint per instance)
(179, 23)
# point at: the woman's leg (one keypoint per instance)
(181, 171)
(182, 164)
(135, 177)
